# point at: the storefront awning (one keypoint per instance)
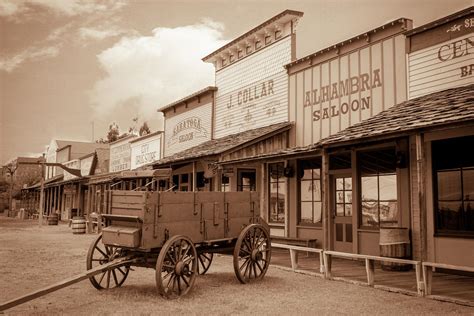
(222, 145)
(157, 174)
(447, 107)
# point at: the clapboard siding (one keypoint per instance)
(434, 68)
(254, 92)
(177, 141)
(383, 62)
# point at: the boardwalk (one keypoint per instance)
(455, 288)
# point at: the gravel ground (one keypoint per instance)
(32, 257)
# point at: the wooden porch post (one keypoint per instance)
(325, 195)
(421, 187)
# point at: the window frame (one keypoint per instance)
(300, 201)
(279, 180)
(460, 166)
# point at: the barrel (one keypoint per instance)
(78, 225)
(52, 219)
(395, 243)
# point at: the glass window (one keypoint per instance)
(225, 184)
(246, 180)
(453, 185)
(310, 194)
(277, 193)
(379, 205)
(344, 196)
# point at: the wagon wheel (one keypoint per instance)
(252, 253)
(176, 267)
(204, 262)
(100, 254)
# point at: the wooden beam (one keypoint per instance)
(62, 284)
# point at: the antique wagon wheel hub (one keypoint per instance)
(181, 268)
(256, 255)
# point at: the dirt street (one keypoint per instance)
(32, 257)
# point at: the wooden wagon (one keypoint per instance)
(177, 234)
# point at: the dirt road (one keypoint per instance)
(33, 257)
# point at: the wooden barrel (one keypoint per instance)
(395, 243)
(52, 219)
(78, 225)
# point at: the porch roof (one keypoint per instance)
(443, 108)
(224, 144)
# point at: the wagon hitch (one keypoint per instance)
(119, 262)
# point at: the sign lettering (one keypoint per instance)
(457, 49)
(186, 130)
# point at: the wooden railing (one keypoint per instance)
(294, 254)
(370, 265)
(423, 270)
(428, 272)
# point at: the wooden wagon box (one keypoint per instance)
(150, 218)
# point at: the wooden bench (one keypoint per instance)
(294, 241)
(303, 242)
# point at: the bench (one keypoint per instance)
(303, 242)
(294, 241)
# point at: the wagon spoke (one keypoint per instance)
(254, 268)
(185, 281)
(244, 264)
(115, 277)
(179, 284)
(103, 253)
(108, 278)
(259, 266)
(121, 270)
(102, 277)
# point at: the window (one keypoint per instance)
(310, 196)
(225, 184)
(240, 54)
(379, 205)
(344, 196)
(246, 180)
(453, 186)
(277, 34)
(277, 193)
(248, 49)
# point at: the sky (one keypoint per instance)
(69, 68)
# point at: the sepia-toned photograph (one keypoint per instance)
(252, 157)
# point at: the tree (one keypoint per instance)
(144, 129)
(113, 133)
(10, 169)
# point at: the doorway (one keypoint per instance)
(341, 185)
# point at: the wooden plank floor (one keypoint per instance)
(449, 285)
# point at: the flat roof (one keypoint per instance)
(145, 136)
(350, 40)
(187, 98)
(441, 21)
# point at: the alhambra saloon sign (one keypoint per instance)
(342, 90)
(336, 90)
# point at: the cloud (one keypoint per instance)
(148, 72)
(12, 8)
(31, 54)
(99, 33)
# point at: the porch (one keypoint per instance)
(446, 287)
